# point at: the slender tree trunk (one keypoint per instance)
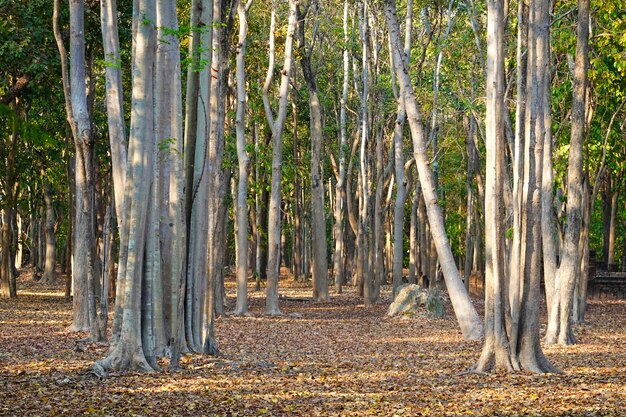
(610, 262)
(241, 307)
(318, 221)
(468, 319)
(114, 100)
(196, 171)
(7, 280)
(469, 221)
(277, 127)
(414, 257)
(340, 188)
(398, 142)
(49, 274)
(8, 285)
(363, 237)
(84, 268)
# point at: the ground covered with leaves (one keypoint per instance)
(328, 359)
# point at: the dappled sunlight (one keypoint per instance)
(335, 358)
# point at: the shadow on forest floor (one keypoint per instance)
(335, 358)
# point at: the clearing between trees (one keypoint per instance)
(335, 358)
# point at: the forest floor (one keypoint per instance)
(328, 359)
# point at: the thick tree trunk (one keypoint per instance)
(499, 350)
(133, 348)
(468, 319)
(559, 324)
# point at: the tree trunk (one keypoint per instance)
(503, 349)
(7, 280)
(277, 127)
(49, 273)
(469, 221)
(84, 268)
(241, 307)
(340, 187)
(196, 171)
(559, 324)
(468, 319)
(133, 348)
(114, 100)
(318, 221)
(398, 144)
(363, 236)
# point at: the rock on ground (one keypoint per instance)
(415, 300)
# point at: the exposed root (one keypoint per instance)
(210, 346)
(273, 312)
(241, 313)
(123, 358)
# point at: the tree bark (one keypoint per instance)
(114, 100)
(49, 273)
(559, 324)
(133, 348)
(318, 221)
(84, 268)
(241, 307)
(503, 349)
(468, 319)
(277, 127)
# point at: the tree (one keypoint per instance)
(78, 118)
(133, 344)
(196, 172)
(244, 163)
(510, 344)
(340, 188)
(468, 319)
(276, 126)
(398, 143)
(560, 309)
(318, 221)
(114, 100)
(49, 273)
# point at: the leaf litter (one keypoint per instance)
(318, 359)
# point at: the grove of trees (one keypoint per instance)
(153, 148)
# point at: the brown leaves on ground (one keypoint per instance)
(327, 359)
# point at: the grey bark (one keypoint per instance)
(241, 307)
(468, 319)
(318, 221)
(133, 348)
(398, 141)
(49, 273)
(559, 323)
(277, 127)
(114, 100)
(340, 188)
(83, 271)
